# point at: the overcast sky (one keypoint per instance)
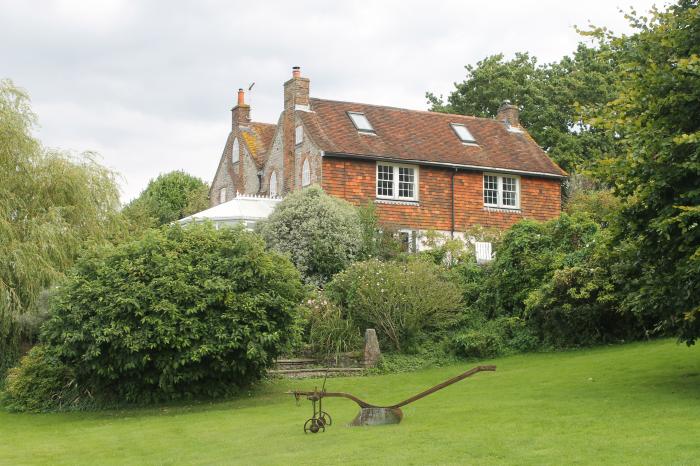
(149, 84)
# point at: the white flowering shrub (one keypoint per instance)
(322, 234)
(405, 303)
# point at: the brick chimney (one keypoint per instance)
(296, 96)
(508, 113)
(240, 114)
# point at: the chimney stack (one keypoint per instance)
(296, 97)
(240, 114)
(509, 114)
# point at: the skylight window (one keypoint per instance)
(463, 133)
(361, 122)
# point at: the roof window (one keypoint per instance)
(463, 133)
(361, 122)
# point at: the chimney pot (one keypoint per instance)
(296, 72)
(241, 97)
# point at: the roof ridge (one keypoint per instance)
(391, 107)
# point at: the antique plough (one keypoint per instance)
(369, 414)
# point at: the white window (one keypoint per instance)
(273, 184)
(235, 153)
(463, 133)
(222, 195)
(298, 135)
(361, 122)
(502, 191)
(397, 181)
(305, 173)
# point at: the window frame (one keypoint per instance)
(235, 151)
(305, 173)
(471, 141)
(298, 135)
(222, 195)
(395, 182)
(499, 190)
(361, 130)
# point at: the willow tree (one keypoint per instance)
(51, 205)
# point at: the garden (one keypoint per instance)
(126, 336)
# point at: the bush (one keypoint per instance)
(41, 383)
(179, 313)
(487, 339)
(329, 332)
(322, 234)
(403, 302)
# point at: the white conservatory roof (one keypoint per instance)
(240, 208)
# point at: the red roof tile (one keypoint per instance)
(420, 136)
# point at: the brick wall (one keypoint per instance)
(354, 180)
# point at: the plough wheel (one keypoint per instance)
(325, 418)
(314, 426)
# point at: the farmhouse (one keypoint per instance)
(423, 170)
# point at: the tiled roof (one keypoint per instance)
(420, 136)
(258, 138)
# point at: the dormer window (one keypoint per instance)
(463, 133)
(361, 122)
(298, 135)
(235, 153)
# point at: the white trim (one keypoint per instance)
(222, 195)
(499, 191)
(395, 181)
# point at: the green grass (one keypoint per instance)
(630, 404)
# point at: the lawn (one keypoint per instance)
(630, 404)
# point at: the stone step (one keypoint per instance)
(296, 363)
(315, 372)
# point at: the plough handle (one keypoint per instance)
(364, 404)
(442, 385)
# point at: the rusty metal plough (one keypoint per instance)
(369, 414)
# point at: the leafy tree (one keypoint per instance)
(322, 234)
(51, 203)
(168, 198)
(178, 313)
(657, 116)
(551, 96)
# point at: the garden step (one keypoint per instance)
(315, 372)
(297, 363)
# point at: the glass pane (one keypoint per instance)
(463, 133)
(490, 190)
(385, 180)
(509, 191)
(406, 182)
(360, 121)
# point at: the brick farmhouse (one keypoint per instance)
(423, 170)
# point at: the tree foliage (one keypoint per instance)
(657, 115)
(552, 98)
(177, 313)
(51, 203)
(322, 234)
(169, 197)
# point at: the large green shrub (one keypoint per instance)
(42, 382)
(559, 277)
(331, 333)
(180, 312)
(404, 302)
(322, 234)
